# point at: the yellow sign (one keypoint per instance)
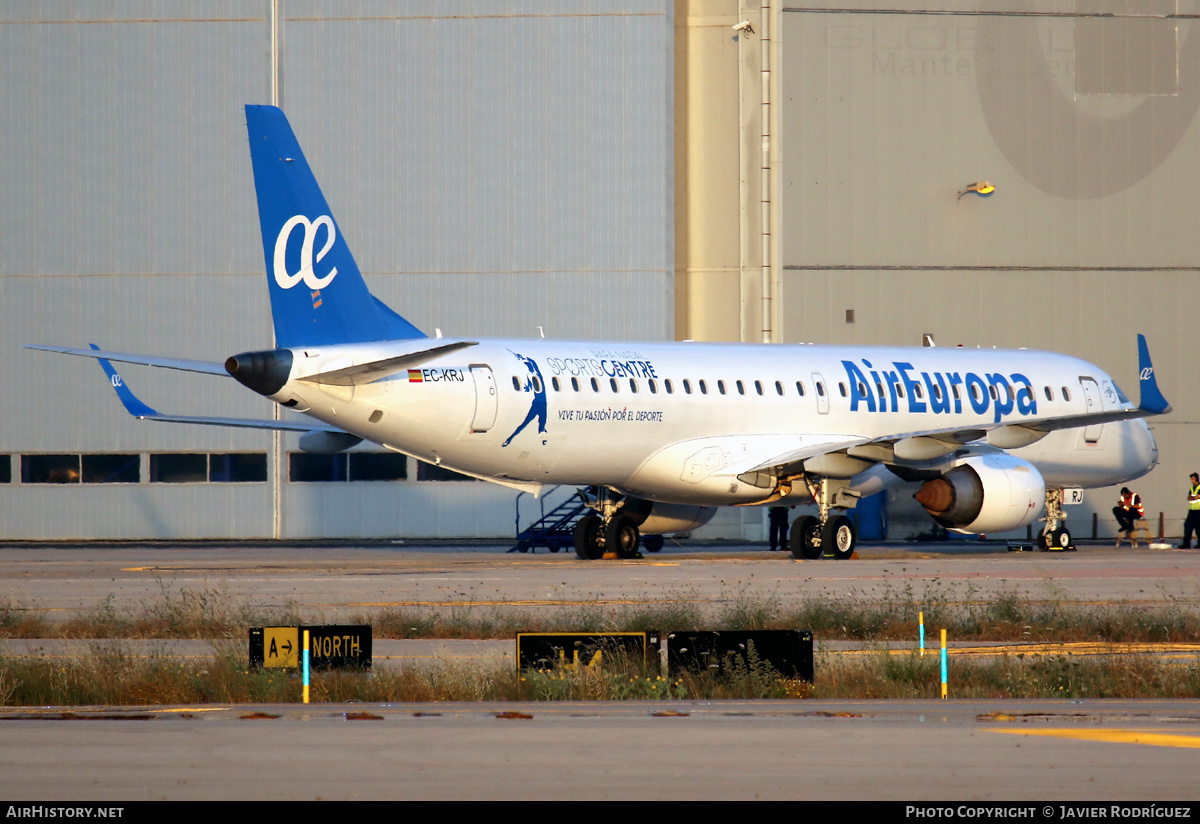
(281, 647)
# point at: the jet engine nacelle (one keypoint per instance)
(327, 443)
(655, 518)
(985, 493)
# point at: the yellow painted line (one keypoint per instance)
(1147, 737)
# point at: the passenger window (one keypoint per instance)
(1012, 393)
(758, 387)
(612, 384)
(687, 386)
(1049, 393)
(703, 388)
(918, 391)
(879, 386)
(516, 383)
(937, 392)
(975, 395)
(670, 389)
(653, 387)
(992, 391)
(899, 390)
(778, 388)
(575, 384)
(820, 389)
(537, 384)
(954, 389)
(800, 388)
(741, 388)
(554, 383)
(595, 385)
(1066, 394)
(842, 388)
(633, 386)
(721, 387)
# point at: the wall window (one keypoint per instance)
(378, 466)
(112, 469)
(238, 468)
(430, 472)
(178, 469)
(50, 469)
(99, 468)
(305, 467)
(5, 469)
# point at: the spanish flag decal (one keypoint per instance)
(414, 376)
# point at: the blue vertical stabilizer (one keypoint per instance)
(318, 295)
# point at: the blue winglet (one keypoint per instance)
(132, 405)
(1152, 399)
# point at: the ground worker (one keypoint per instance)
(1128, 511)
(1192, 524)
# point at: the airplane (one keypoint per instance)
(657, 435)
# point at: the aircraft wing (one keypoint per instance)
(204, 367)
(786, 449)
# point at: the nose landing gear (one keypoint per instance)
(817, 537)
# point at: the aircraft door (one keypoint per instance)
(1095, 403)
(821, 393)
(485, 398)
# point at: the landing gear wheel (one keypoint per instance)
(1060, 539)
(840, 537)
(621, 536)
(1043, 544)
(805, 538)
(652, 543)
(587, 538)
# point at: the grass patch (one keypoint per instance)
(108, 675)
(892, 615)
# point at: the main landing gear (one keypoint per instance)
(815, 537)
(607, 530)
(1054, 536)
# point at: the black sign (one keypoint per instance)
(559, 650)
(788, 651)
(331, 647)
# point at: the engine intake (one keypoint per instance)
(985, 493)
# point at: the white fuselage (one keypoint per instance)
(660, 420)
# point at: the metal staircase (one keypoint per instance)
(553, 530)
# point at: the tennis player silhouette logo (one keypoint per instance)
(537, 407)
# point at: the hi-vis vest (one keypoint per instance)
(1192, 493)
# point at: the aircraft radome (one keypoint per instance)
(659, 434)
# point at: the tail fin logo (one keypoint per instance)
(287, 280)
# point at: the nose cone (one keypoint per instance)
(264, 372)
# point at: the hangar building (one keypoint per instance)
(623, 169)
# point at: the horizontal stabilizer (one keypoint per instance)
(375, 370)
(204, 367)
(135, 407)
